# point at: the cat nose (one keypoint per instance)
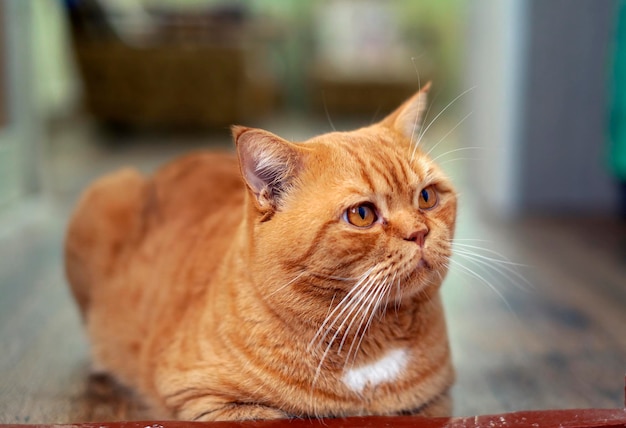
(418, 236)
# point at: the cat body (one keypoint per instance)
(294, 280)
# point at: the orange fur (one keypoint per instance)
(217, 297)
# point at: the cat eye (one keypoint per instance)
(363, 215)
(428, 198)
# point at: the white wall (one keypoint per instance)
(495, 51)
(41, 84)
(54, 76)
(540, 106)
(18, 140)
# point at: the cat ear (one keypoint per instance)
(407, 119)
(269, 164)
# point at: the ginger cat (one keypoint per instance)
(301, 280)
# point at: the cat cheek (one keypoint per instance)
(447, 212)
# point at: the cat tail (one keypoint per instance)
(106, 222)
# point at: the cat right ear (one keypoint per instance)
(269, 165)
(407, 119)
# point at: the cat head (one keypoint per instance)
(365, 208)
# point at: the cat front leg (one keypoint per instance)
(211, 408)
(241, 412)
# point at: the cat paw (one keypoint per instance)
(241, 412)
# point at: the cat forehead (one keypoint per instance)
(379, 160)
(370, 137)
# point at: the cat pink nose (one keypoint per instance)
(419, 236)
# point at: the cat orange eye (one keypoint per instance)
(363, 215)
(428, 198)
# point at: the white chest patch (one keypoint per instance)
(387, 369)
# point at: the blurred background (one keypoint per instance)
(538, 76)
(527, 115)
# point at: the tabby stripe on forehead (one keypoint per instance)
(364, 174)
(383, 173)
(405, 172)
(398, 170)
(393, 170)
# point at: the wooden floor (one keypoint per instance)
(551, 334)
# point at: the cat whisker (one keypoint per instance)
(383, 291)
(360, 308)
(330, 121)
(500, 266)
(346, 298)
(463, 241)
(351, 304)
(456, 160)
(365, 309)
(449, 132)
(456, 150)
(333, 277)
(361, 305)
(415, 141)
(399, 296)
(423, 132)
(423, 291)
(419, 89)
(501, 259)
(373, 120)
(279, 289)
(419, 83)
(372, 304)
(476, 275)
(469, 239)
(392, 283)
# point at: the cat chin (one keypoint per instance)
(425, 278)
(424, 264)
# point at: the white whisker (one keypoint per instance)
(371, 308)
(419, 89)
(414, 141)
(449, 132)
(361, 309)
(383, 290)
(423, 132)
(484, 280)
(332, 125)
(472, 251)
(456, 160)
(350, 306)
(391, 283)
(346, 298)
(502, 259)
(287, 284)
(333, 277)
(399, 296)
(456, 150)
(469, 239)
(356, 304)
(419, 83)
(500, 266)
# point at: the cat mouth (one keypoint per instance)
(418, 267)
(424, 264)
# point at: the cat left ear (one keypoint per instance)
(407, 119)
(269, 165)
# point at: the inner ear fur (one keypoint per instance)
(269, 165)
(407, 119)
